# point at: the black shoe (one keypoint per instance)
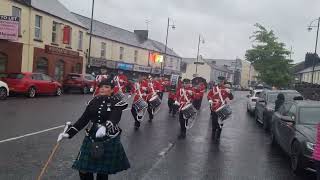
(182, 136)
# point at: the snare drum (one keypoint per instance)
(119, 96)
(155, 102)
(188, 111)
(140, 105)
(224, 112)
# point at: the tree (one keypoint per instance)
(269, 57)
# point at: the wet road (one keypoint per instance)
(154, 151)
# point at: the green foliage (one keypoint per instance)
(269, 58)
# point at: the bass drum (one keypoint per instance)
(141, 108)
(155, 102)
(224, 112)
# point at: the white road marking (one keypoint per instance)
(162, 156)
(31, 134)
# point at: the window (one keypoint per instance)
(80, 40)
(67, 35)
(17, 12)
(42, 66)
(78, 68)
(3, 62)
(55, 32)
(292, 111)
(121, 53)
(46, 78)
(135, 56)
(103, 49)
(37, 30)
(37, 77)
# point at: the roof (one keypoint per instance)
(123, 36)
(55, 8)
(309, 69)
(307, 103)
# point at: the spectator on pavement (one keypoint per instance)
(279, 101)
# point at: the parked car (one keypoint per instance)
(82, 82)
(266, 103)
(294, 129)
(252, 99)
(4, 90)
(32, 84)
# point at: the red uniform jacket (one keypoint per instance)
(136, 92)
(213, 95)
(182, 99)
(123, 81)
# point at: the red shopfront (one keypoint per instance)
(10, 56)
(57, 62)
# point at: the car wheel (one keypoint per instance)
(85, 90)
(295, 157)
(32, 92)
(3, 93)
(58, 91)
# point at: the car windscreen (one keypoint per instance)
(309, 115)
(15, 76)
(272, 97)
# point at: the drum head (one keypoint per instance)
(186, 107)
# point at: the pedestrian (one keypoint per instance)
(216, 103)
(316, 153)
(279, 102)
(101, 151)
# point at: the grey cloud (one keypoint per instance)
(225, 24)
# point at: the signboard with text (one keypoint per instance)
(140, 68)
(61, 51)
(125, 66)
(9, 27)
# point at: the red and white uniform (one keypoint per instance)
(184, 99)
(213, 95)
(139, 89)
(157, 85)
(123, 82)
(97, 81)
(197, 93)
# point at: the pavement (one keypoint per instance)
(29, 129)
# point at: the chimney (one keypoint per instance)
(142, 35)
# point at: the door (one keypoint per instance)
(38, 83)
(49, 85)
(277, 122)
(59, 71)
(287, 129)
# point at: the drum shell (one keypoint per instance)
(224, 112)
(155, 102)
(189, 111)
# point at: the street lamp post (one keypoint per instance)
(90, 35)
(165, 48)
(198, 53)
(316, 46)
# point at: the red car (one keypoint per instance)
(32, 84)
(82, 82)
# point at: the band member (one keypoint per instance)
(184, 97)
(158, 86)
(139, 90)
(172, 98)
(101, 151)
(98, 79)
(121, 82)
(197, 97)
(216, 103)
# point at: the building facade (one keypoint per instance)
(51, 40)
(192, 70)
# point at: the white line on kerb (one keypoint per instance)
(31, 134)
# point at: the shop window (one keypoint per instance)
(59, 70)
(3, 62)
(78, 68)
(42, 65)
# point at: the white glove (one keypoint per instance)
(177, 103)
(62, 136)
(101, 132)
(129, 96)
(227, 90)
(210, 101)
(144, 88)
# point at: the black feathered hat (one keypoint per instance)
(107, 82)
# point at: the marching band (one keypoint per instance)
(102, 151)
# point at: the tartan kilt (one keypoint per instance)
(113, 160)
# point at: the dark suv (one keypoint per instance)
(82, 82)
(266, 103)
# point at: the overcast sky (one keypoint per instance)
(224, 24)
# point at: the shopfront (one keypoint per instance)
(97, 65)
(57, 62)
(10, 56)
